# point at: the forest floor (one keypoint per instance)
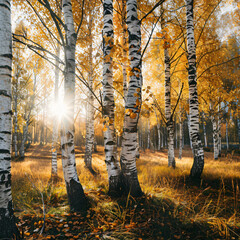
(171, 208)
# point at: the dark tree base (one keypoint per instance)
(116, 186)
(76, 197)
(197, 168)
(130, 185)
(8, 228)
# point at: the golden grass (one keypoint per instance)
(216, 202)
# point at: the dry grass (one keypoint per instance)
(215, 202)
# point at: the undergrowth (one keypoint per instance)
(172, 207)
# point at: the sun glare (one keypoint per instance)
(58, 109)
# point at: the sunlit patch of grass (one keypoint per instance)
(167, 191)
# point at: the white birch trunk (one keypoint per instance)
(238, 127)
(215, 137)
(205, 134)
(227, 139)
(24, 139)
(162, 138)
(133, 104)
(188, 122)
(55, 119)
(125, 87)
(180, 136)
(176, 136)
(198, 153)
(76, 196)
(168, 114)
(219, 134)
(110, 144)
(15, 97)
(158, 132)
(90, 111)
(7, 221)
(148, 134)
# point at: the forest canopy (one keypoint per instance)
(117, 101)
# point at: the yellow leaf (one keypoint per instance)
(138, 89)
(133, 115)
(135, 94)
(131, 74)
(128, 111)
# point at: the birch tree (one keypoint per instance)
(55, 123)
(76, 197)
(133, 103)
(8, 229)
(90, 98)
(197, 148)
(56, 93)
(110, 144)
(168, 113)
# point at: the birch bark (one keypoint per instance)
(8, 229)
(215, 137)
(56, 122)
(90, 111)
(110, 144)
(238, 127)
(198, 153)
(133, 104)
(76, 196)
(15, 97)
(158, 132)
(204, 131)
(168, 114)
(227, 139)
(180, 135)
(124, 26)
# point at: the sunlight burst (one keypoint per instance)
(58, 109)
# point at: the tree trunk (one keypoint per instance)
(148, 134)
(158, 132)
(125, 87)
(238, 127)
(162, 140)
(133, 104)
(180, 136)
(110, 144)
(24, 139)
(90, 110)
(205, 134)
(8, 229)
(168, 114)
(215, 137)
(15, 118)
(55, 119)
(188, 122)
(108, 102)
(76, 196)
(176, 136)
(219, 134)
(198, 153)
(227, 141)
